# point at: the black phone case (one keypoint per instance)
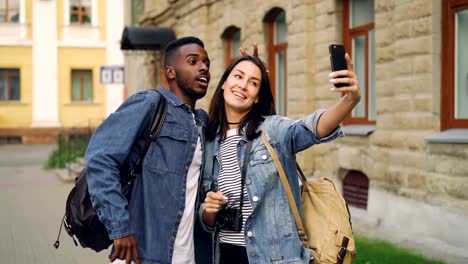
(337, 60)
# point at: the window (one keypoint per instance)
(358, 38)
(232, 43)
(9, 11)
(454, 86)
(80, 12)
(277, 32)
(137, 10)
(356, 189)
(82, 85)
(9, 85)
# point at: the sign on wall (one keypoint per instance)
(112, 75)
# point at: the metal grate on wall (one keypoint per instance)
(356, 189)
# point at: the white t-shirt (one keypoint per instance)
(184, 252)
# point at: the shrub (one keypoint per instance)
(68, 150)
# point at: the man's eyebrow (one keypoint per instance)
(192, 55)
(196, 55)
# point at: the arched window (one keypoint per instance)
(277, 44)
(356, 189)
(454, 92)
(232, 42)
(358, 37)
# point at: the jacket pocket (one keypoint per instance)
(263, 167)
(260, 156)
(169, 150)
(173, 131)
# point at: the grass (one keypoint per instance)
(381, 252)
(67, 151)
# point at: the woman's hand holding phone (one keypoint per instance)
(343, 77)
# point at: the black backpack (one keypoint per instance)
(80, 219)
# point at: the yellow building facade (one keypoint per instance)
(61, 67)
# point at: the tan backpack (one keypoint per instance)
(325, 227)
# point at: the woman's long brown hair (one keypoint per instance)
(265, 106)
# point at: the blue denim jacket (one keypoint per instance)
(270, 231)
(158, 198)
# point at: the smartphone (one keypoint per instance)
(337, 60)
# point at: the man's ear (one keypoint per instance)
(169, 72)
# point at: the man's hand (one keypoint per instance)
(125, 248)
(254, 54)
(255, 51)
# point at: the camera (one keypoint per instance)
(229, 219)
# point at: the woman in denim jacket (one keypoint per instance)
(263, 230)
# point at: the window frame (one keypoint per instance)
(8, 77)
(272, 50)
(228, 37)
(447, 106)
(82, 88)
(7, 10)
(348, 35)
(81, 13)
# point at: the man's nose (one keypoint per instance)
(204, 67)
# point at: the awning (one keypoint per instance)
(146, 38)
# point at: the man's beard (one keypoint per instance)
(187, 89)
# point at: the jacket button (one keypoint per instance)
(264, 157)
(255, 198)
(249, 234)
(253, 254)
(248, 181)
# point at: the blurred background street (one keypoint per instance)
(33, 202)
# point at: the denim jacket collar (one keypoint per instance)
(171, 97)
(177, 102)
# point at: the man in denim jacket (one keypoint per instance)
(158, 224)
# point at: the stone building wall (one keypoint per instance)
(417, 189)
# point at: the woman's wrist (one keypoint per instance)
(209, 218)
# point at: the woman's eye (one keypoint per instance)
(238, 76)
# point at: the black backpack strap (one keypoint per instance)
(155, 128)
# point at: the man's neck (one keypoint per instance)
(188, 100)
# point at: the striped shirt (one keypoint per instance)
(229, 182)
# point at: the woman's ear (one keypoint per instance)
(222, 86)
(169, 72)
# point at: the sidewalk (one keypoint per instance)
(32, 202)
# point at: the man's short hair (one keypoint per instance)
(173, 46)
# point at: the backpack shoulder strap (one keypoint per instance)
(155, 127)
(158, 117)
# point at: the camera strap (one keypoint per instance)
(248, 148)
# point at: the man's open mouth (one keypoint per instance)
(203, 80)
